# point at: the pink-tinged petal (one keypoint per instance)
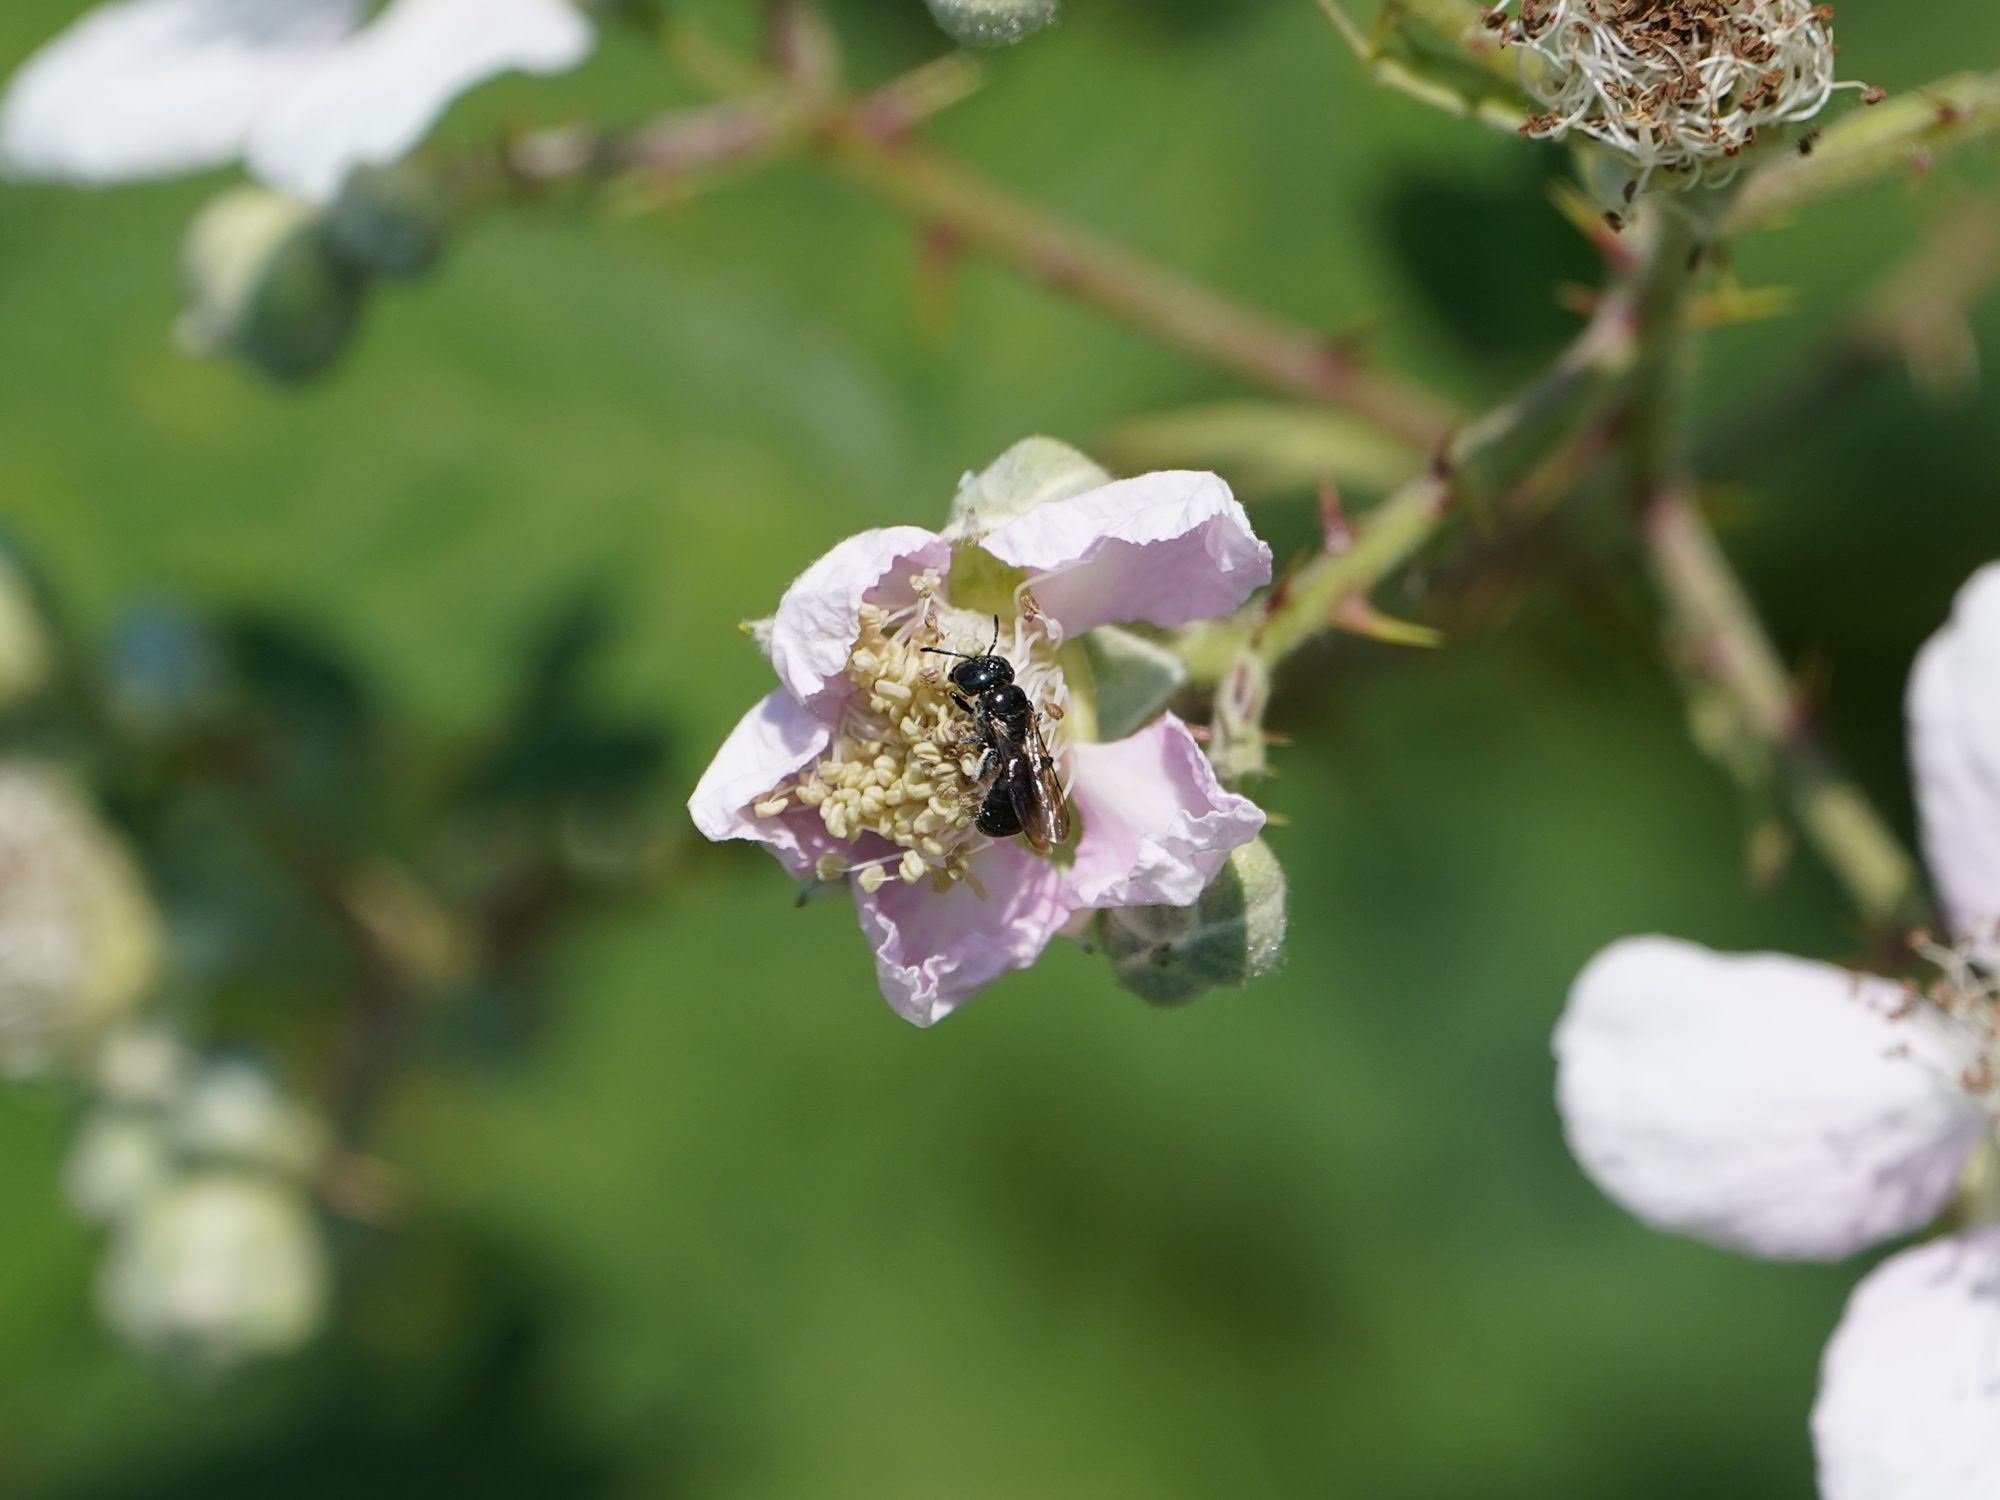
(1157, 825)
(818, 619)
(1164, 549)
(1762, 1102)
(1954, 713)
(934, 951)
(380, 95)
(1909, 1400)
(770, 743)
(151, 88)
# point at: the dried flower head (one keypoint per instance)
(1679, 86)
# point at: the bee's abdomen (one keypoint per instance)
(997, 818)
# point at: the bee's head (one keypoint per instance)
(981, 674)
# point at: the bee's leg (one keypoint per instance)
(972, 794)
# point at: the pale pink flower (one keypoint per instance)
(301, 90)
(1790, 1109)
(854, 767)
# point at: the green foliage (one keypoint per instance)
(714, 1223)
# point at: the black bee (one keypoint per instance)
(1017, 788)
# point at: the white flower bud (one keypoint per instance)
(265, 285)
(233, 1113)
(1235, 933)
(118, 1159)
(80, 943)
(992, 23)
(217, 1267)
(25, 652)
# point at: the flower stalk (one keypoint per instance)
(1716, 626)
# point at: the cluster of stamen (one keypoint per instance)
(1680, 86)
(1966, 990)
(903, 765)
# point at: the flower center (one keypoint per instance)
(1677, 85)
(1967, 991)
(905, 763)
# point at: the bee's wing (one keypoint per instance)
(1038, 797)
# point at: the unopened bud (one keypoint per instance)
(992, 23)
(266, 285)
(388, 221)
(1169, 955)
(163, 669)
(216, 1268)
(80, 943)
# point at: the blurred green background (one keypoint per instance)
(731, 1229)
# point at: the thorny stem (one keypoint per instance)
(1633, 341)
(868, 142)
(1479, 454)
(1181, 313)
(1725, 644)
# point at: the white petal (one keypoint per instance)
(818, 620)
(935, 950)
(378, 99)
(1165, 549)
(1909, 1401)
(1954, 712)
(1157, 825)
(773, 740)
(1761, 1102)
(150, 88)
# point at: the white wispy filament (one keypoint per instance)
(1681, 87)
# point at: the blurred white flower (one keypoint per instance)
(234, 1112)
(216, 1268)
(1791, 1109)
(140, 1066)
(300, 90)
(80, 943)
(117, 1161)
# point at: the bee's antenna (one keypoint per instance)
(940, 651)
(996, 636)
